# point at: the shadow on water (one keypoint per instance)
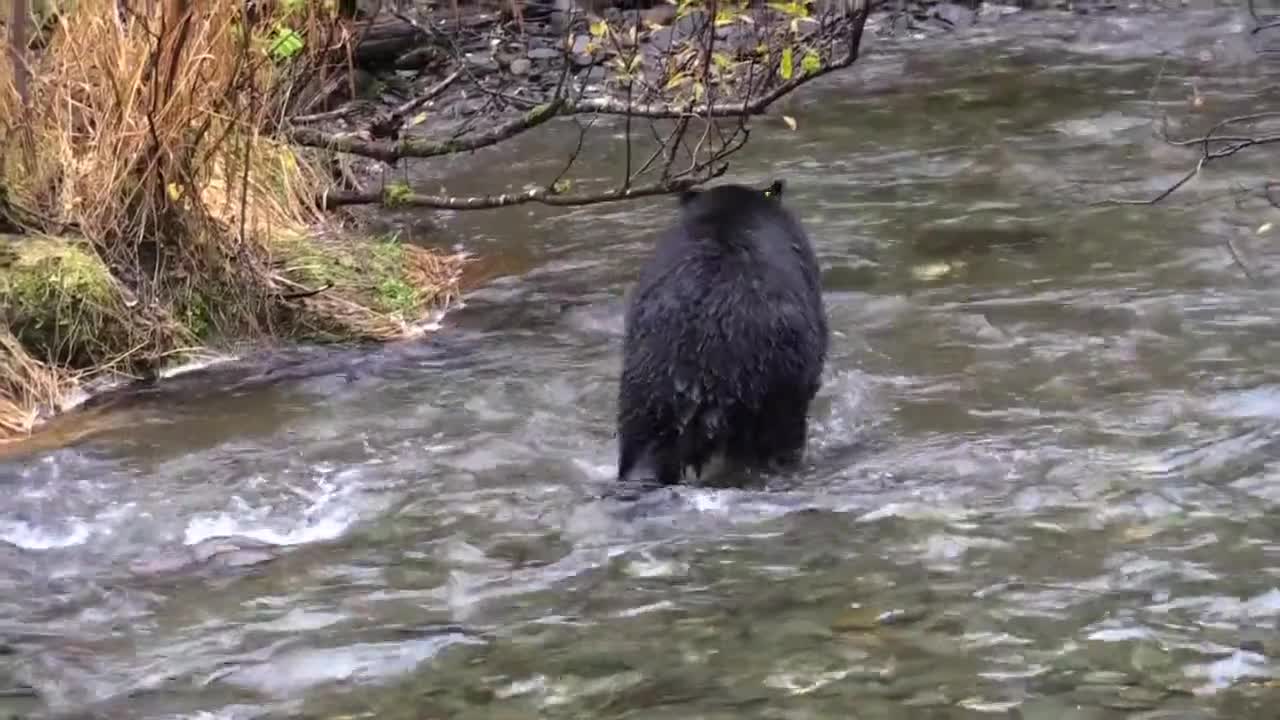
(1040, 481)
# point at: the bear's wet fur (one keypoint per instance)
(725, 340)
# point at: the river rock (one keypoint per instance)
(543, 54)
(226, 553)
(482, 63)
(955, 15)
(581, 56)
(660, 14)
(662, 39)
(692, 23)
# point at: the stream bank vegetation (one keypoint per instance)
(181, 177)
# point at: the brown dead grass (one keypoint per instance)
(27, 387)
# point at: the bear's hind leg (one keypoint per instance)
(775, 437)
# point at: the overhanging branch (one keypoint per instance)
(392, 151)
(542, 196)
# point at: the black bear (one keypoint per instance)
(725, 340)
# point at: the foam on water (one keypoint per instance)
(327, 516)
(72, 531)
(297, 670)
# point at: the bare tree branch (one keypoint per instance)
(1208, 154)
(390, 152)
(1259, 23)
(543, 196)
(19, 22)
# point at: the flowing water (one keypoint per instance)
(1041, 481)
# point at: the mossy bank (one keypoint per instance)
(68, 325)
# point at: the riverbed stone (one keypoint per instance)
(482, 63)
(954, 14)
(543, 54)
(580, 54)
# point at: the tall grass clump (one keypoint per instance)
(146, 129)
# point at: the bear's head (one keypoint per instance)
(773, 192)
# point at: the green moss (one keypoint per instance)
(58, 298)
(36, 270)
(395, 295)
(66, 309)
(396, 194)
(376, 273)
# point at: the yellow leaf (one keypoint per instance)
(676, 80)
(599, 28)
(418, 119)
(174, 190)
(786, 68)
(790, 121)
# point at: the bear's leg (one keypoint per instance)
(790, 434)
(775, 436)
(648, 459)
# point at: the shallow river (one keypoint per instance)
(1041, 481)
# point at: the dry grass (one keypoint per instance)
(27, 388)
(146, 132)
(378, 290)
(149, 133)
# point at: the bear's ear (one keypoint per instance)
(775, 190)
(687, 196)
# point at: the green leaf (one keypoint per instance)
(285, 43)
(396, 193)
(786, 68)
(810, 63)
